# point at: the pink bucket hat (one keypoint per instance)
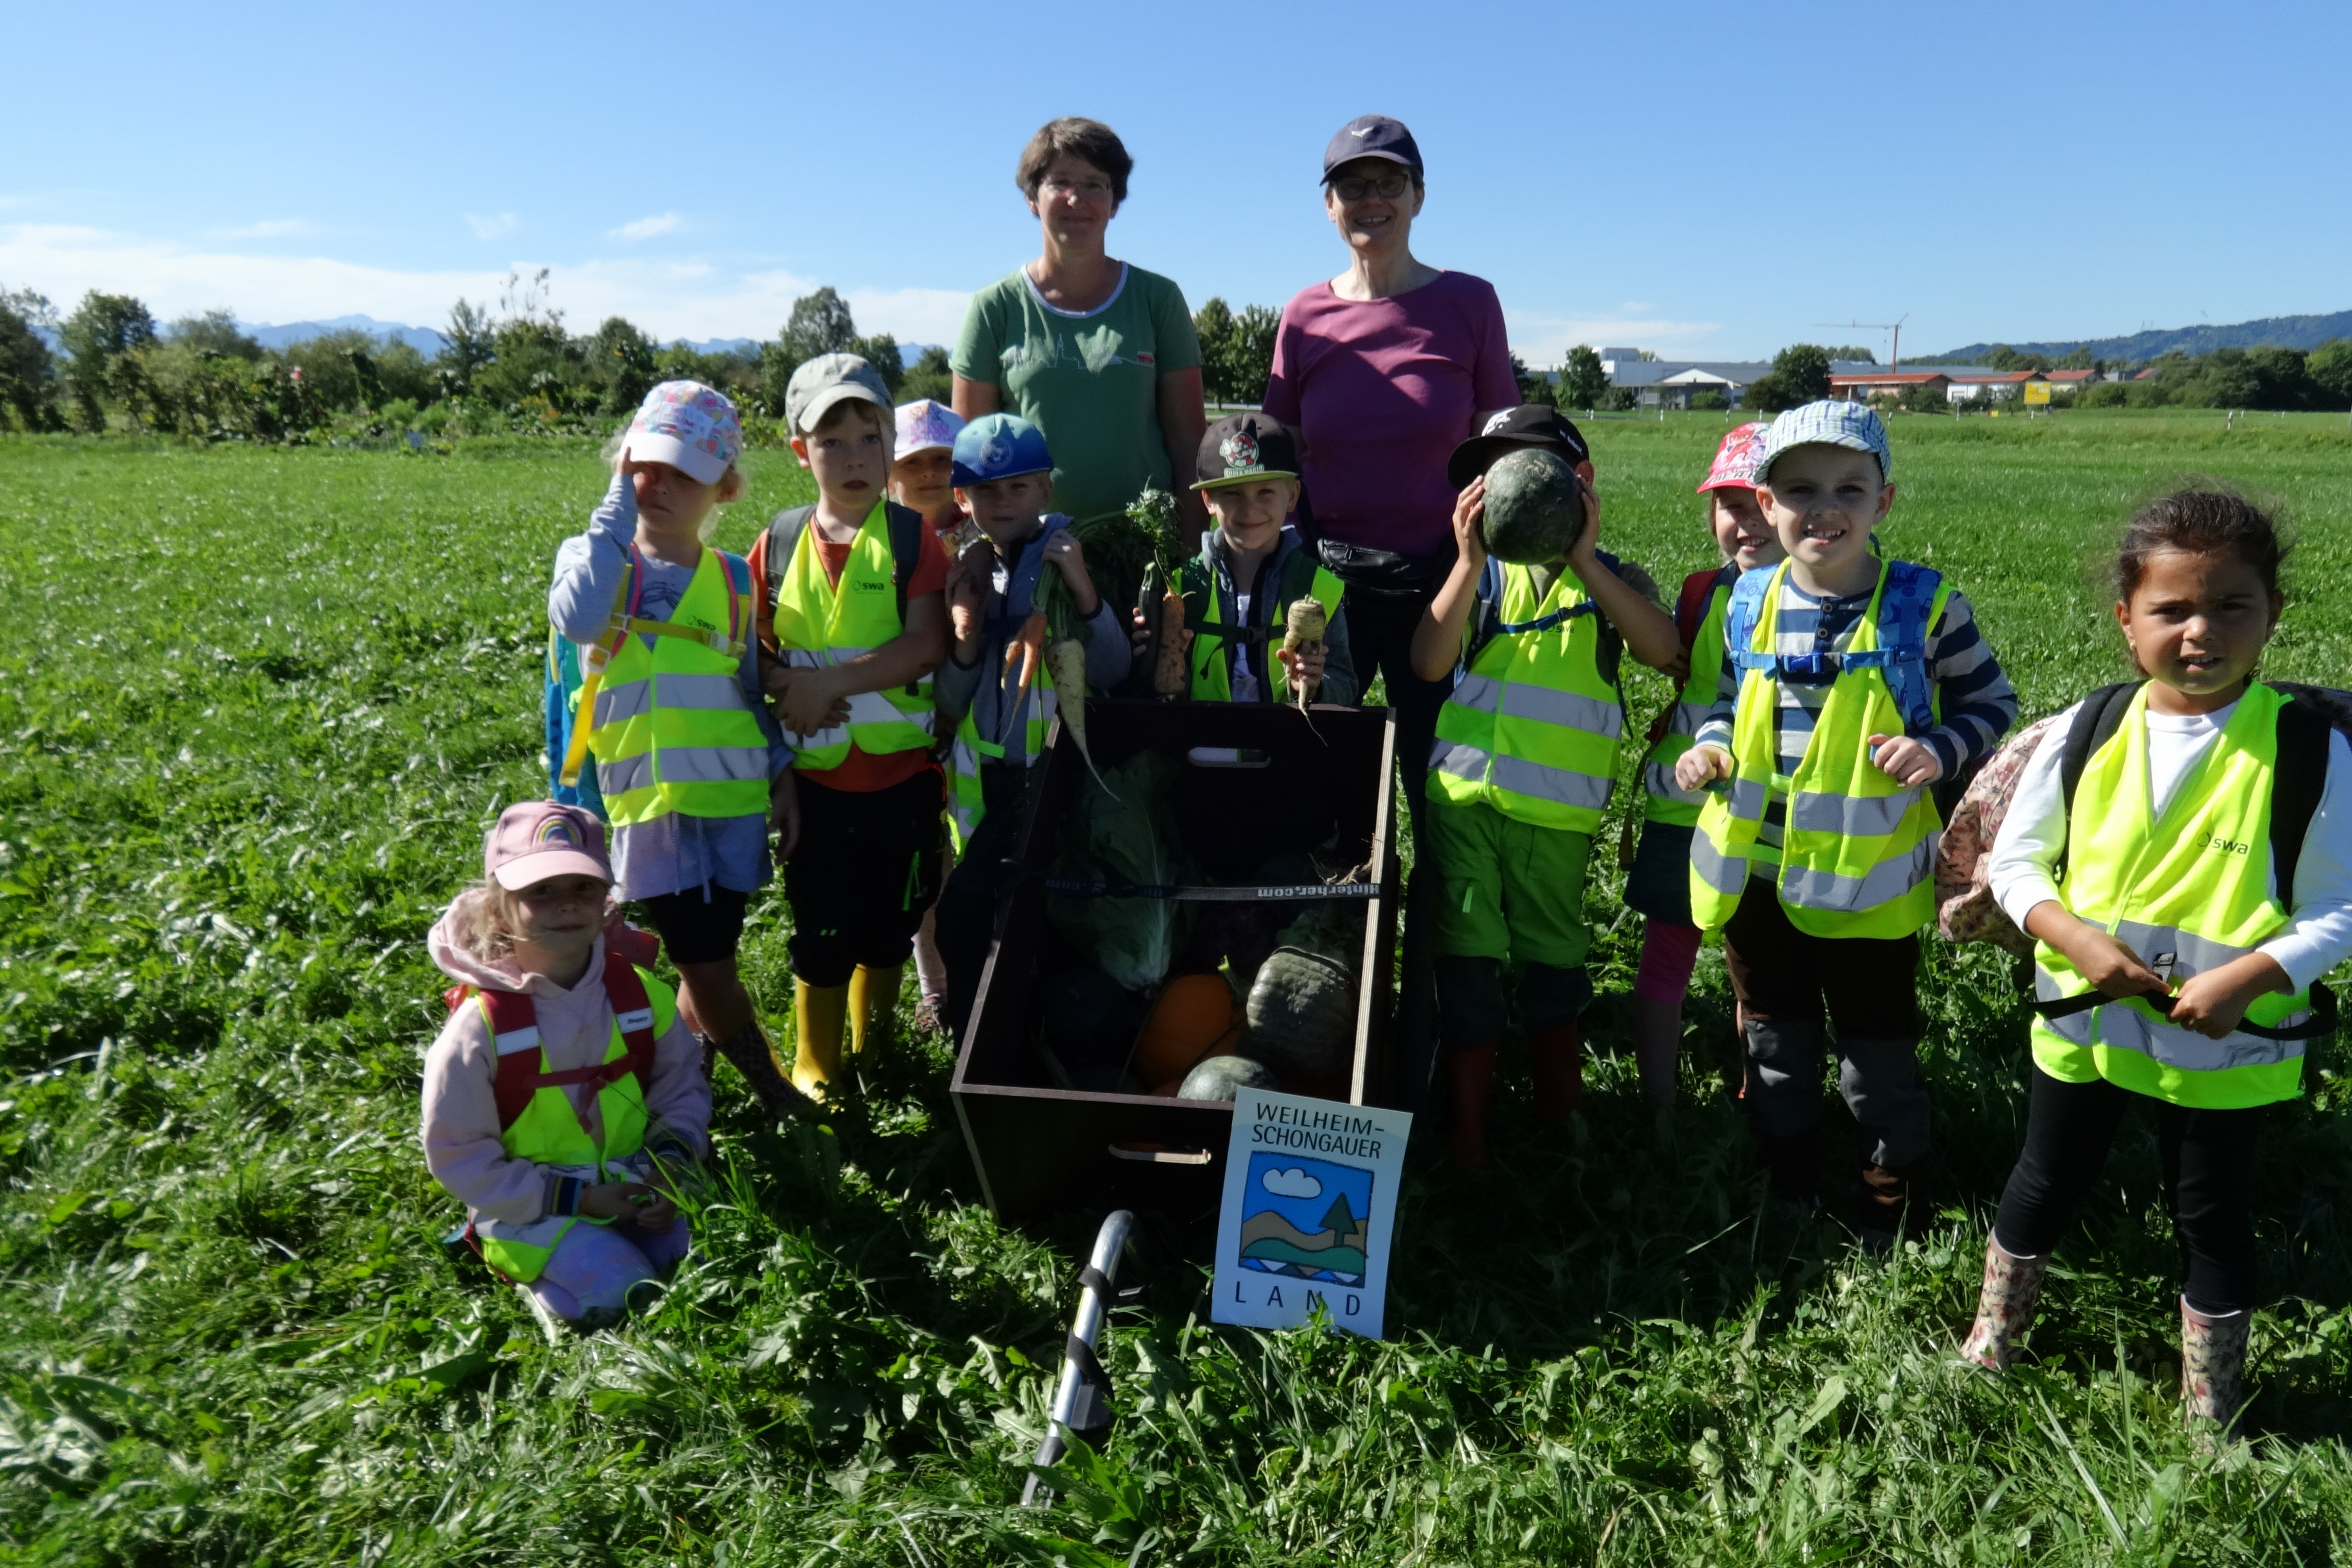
(691, 427)
(1737, 459)
(538, 839)
(926, 427)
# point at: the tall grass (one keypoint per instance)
(257, 709)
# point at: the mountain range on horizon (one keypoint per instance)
(2270, 332)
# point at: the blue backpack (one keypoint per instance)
(1901, 653)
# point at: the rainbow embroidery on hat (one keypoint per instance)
(1239, 451)
(556, 830)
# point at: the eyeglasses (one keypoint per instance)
(1388, 187)
(1095, 191)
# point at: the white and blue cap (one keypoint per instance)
(1829, 423)
(999, 446)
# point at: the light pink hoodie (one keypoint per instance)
(576, 1026)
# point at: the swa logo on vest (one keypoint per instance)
(2228, 846)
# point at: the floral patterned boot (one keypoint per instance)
(2012, 1286)
(2213, 1364)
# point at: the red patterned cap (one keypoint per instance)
(1736, 460)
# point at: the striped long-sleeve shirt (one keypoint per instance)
(1978, 703)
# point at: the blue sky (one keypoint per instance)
(1698, 179)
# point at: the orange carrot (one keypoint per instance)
(1028, 646)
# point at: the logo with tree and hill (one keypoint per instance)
(1305, 1218)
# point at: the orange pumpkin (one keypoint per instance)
(1196, 1015)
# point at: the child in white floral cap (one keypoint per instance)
(690, 764)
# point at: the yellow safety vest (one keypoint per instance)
(1532, 728)
(1858, 850)
(1212, 658)
(2189, 892)
(549, 1133)
(1670, 804)
(671, 728)
(820, 625)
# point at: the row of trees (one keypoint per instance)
(506, 364)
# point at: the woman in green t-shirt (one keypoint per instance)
(1097, 354)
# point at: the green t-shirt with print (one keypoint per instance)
(1089, 382)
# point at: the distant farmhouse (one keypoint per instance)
(1672, 384)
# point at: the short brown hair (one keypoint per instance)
(1090, 139)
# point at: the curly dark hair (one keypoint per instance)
(2206, 518)
(1090, 139)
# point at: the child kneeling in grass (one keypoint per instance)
(564, 1098)
(1525, 757)
(1850, 684)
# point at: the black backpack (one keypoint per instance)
(2297, 781)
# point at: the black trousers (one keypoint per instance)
(866, 869)
(2208, 1158)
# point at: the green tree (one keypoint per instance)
(622, 357)
(2330, 368)
(1534, 386)
(469, 336)
(1339, 1219)
(100, 336)
(1582, 382)
(881, 351)
(2079, 360)
(820, 323)
(1212, 323)
(931, 377)
(1249, 353)
(1853, 353)
(1805, 370)
(27, 370)
(214, 333)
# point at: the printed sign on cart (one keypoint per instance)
(1309, 1212)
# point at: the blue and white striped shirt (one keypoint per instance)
(1977, 702)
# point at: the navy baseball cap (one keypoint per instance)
(1372, 136)
(999, 446)
(1529, 425)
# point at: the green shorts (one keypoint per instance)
(1512, 890)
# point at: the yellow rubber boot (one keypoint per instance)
(873, 1006)
(818, 1013)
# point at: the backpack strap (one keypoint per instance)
(785, 531)
(1698, 593)
(514, 1032)
(1740, 616)
(905, 526)
(2297, 780)
(2096, 723)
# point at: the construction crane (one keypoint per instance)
(1895, 351)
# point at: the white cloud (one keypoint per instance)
(1544, 341)
(1291, 1184)
(268, 228)
(492, 228)
(646, 227)
(670, 298)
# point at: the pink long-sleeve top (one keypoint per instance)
(576, 1026)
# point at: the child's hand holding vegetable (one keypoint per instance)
(1064, 552)
(967, 589)
(1305, 668)
(644, 1207)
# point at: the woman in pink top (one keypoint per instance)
(1383, 371)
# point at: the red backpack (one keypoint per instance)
(514, 1024)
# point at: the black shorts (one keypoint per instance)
(866, 867)
(701, 925)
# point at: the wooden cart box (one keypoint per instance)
(1040, 1149)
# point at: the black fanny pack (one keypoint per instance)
(1383, 576)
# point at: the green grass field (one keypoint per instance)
(257, 711)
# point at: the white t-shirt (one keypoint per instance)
(1244, 681)
(2318, 935)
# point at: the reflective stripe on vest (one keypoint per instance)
(1668, 802)
(1531, 728)
(670, 727)
(538, 1122)
(1858, 850)
(2189, 892)
(820, 625)
(1212, 653)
